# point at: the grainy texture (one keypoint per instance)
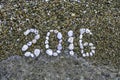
(101, 17)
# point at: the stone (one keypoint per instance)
(26, 32)
(49, 52)
(59, 47)
(46, 41)
(90, 44)
(37, 37)
(81, 36)
(46, 46)
(48, 33)
(70, 39)
(34, 41)
(71, 47)
(25, 47)
(93, 47)
(85, 44)
(55, 54)
(59, 35)
(82, 31)
(70, 33)
(32, 55)
(27, 54)
(71, 53)
(37, 52)
(58, 51)
(29, 43)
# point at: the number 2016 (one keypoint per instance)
(58, 50)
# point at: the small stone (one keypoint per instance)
(51, 30)
(59, 35)
(26, 32)
(27, 54)
(71, 47)
(70, 40)
(93, 47)
(31, 55)
(55, 54)
(37, 37)
(81, 46)
(36, 32)
(60, 41)
(25, 47)
(55, 31)
(46, 41)
(29, 43)
(32, 30)
(80, 41)
(47, 38)
(46, 46)
(70, 33)
(58, 51)
(84, 55)
(85, 44)
(91, 54)
(37, 52)
(34, 41)
(93, 51)
(81, 36)
(88, 31)
(48, 33)
(82, 31)
(59, 47)
(91, 44)
(71, 53)
(82, 51)
(87, 54)
(49, 52)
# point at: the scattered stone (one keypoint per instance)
(49, 52)
(37, 52)
(70, 33)
(25, 47)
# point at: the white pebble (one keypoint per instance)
(70, 33)
(46, 46)
(32, 30)
(59, 35)
(47, 38)
(87, 54)
(82, 31)
(70, 40)
(81, 46)
(25, 47)
(85, 44)
(27, 54)
(93, 51)
(71, 53)
(81, 36)
(58, 51)
(37, 37)
(32, 55)
(90, 44)
(93, 47)
(55, 54)
(55, 31)
(36, 31)
(48, 33)
(88, 31)
(49, 52)
(82, 51)
(91, 54)
(46, 41)
(29, 43)
(51, 30)
(59, 47)
(37, 52)
(71, 47)
(80, 41)
(26, 32)
(60, 41)
(34, 41)
(84, 55)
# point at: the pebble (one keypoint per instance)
(85, 44)
(55, 54)
(46, 46)
(88, 31)
(47, 38)
(37, 37)
(46, 41)
(31, 55)
(51, 30)
(87, 54)
(82, 31)
(49, 52)
(91, 54)
(48, 33)
(26, 32)
(27, 54)
(58, 51)
(29, 43)
(82, 51)
(81, 46)
(70, 33)
(59, 47)
(59, 35)
(81, 36)
(71, 53)
(34, 41)
(93, 47)
(55, 31)
(37, 52)
(90, 44)
(32, 30)
(70, 40)
(93, 51)
(71, 46)
(84, 55)
(25, 47)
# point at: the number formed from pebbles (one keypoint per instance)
(26, 46)
(82, 45)
(50, 52)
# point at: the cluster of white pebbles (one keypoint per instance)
(51, 52)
